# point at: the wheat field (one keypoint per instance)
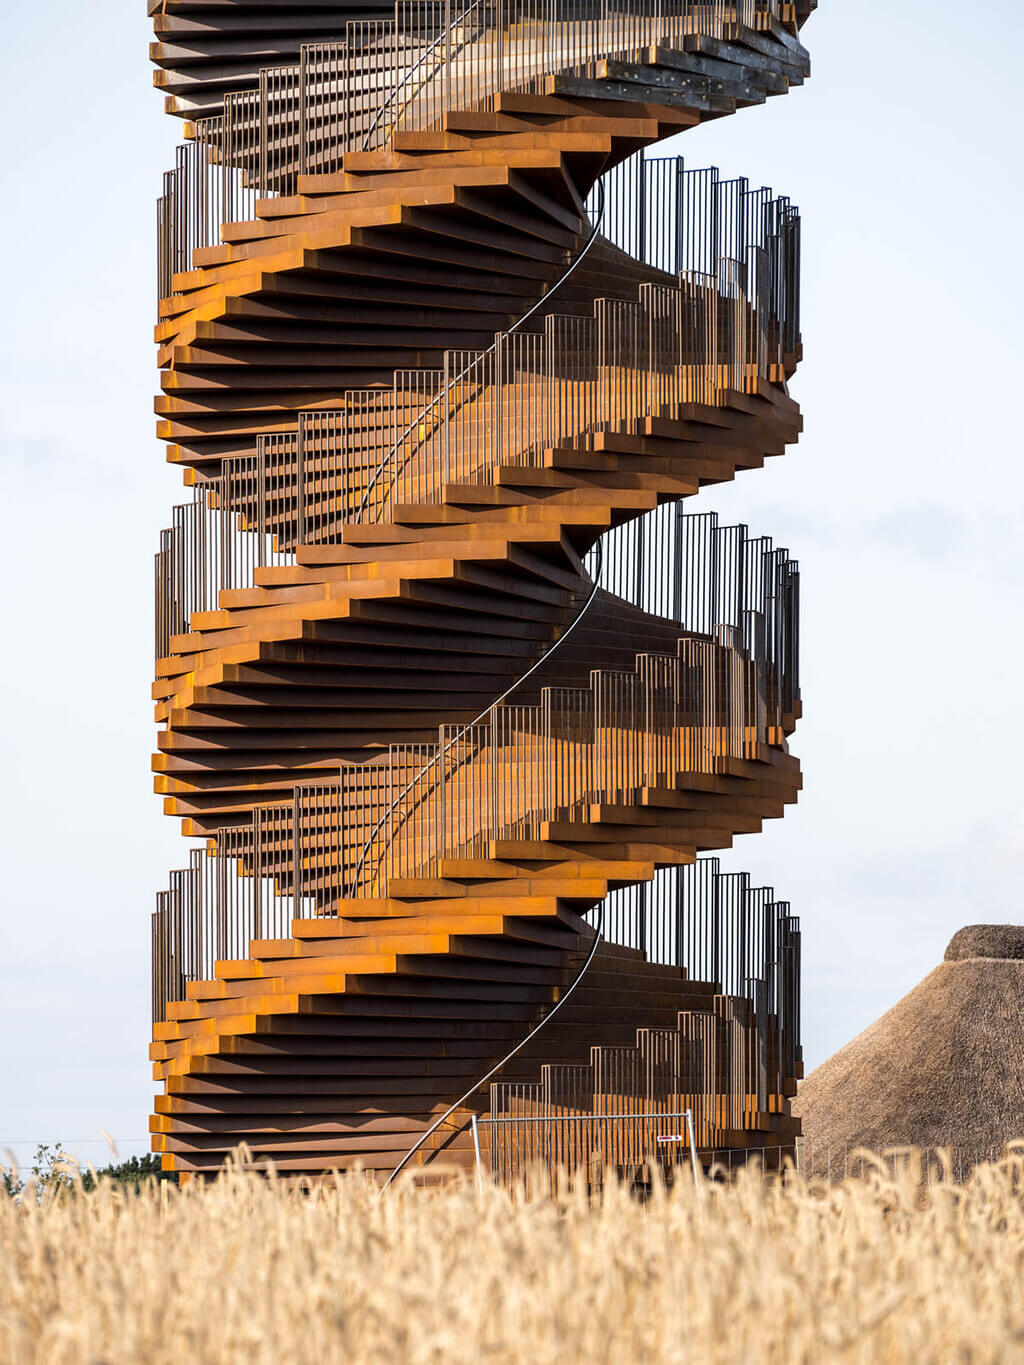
(247, 1270)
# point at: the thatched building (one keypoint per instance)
(943, 1067)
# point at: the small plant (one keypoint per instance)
(55, 1171)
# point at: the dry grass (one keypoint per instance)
(245, 1271)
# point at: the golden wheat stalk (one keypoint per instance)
(881, 1268)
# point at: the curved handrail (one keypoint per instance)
(598, 928)
(576, 620)
(598, 935)
(595, 587)
(476, 360)
(396, 90)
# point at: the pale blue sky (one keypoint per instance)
(903, 503)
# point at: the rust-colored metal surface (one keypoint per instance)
(442, 661)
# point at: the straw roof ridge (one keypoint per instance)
(987, 940)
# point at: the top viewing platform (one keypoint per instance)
(208, 49)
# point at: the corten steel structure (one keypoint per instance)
(452, 690)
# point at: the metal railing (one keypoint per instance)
(718, 699)
(499, 1066)
(745, 932)
(702, 339)
(717, 574)
(689, 569)
(383, 77)
(725, 1062)
(692, 222)
(719, 928)
(728, 1063)
(522, 1148)
(380, 838)
(408, 442)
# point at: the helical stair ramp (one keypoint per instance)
(453, 691)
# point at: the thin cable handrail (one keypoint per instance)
(476, 360)
(396, 90)
(598, 934)
(586, 606)
(595, 587)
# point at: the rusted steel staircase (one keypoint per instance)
(398, 487)
(713, 1061)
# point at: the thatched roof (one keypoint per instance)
(986, 940)
(943, 1067)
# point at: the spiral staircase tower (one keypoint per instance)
(452, 690)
